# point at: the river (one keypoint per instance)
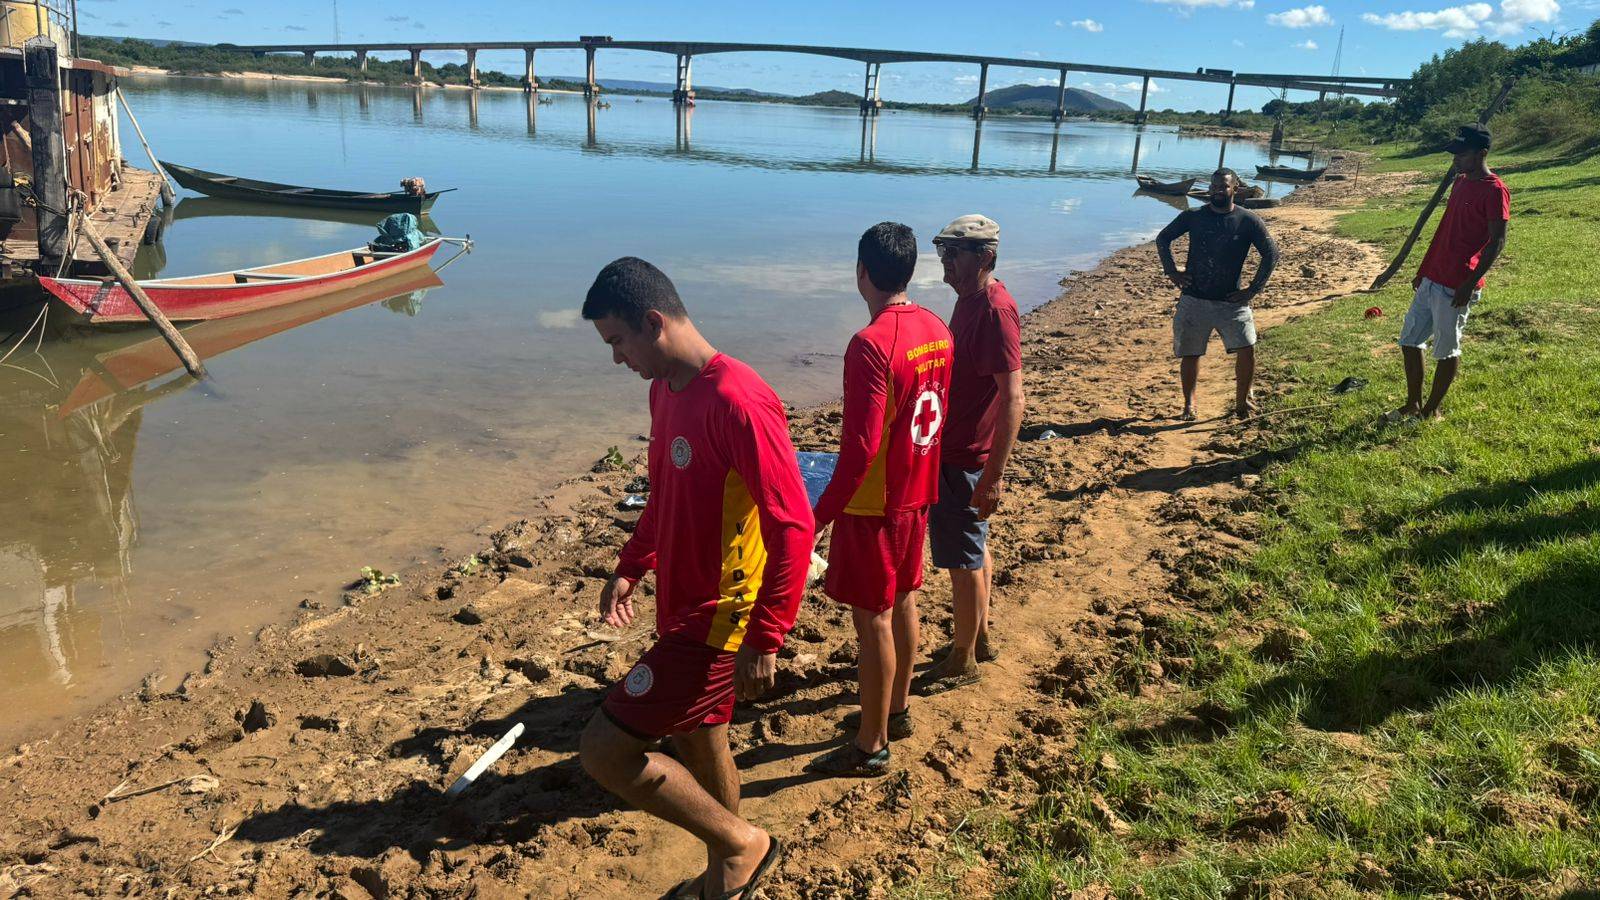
(143, 517)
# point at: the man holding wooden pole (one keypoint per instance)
(1466, 244)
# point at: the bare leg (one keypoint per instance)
(1444, 373)
(876, 668)
(1188, 375)
(907, 636)
(983, 598)
(968, 588)
(662, 787)
(1413, 358)
(1244, 377)
(712, 770)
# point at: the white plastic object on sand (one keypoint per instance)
(484, 762)
(819, 568)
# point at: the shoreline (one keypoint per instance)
(454, 650)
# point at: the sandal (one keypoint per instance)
(945, 683)
(774, 853)
(850, 761)
(900, 726)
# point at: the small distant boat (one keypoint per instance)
(1146, 183)
(1284, 173)
(223, 294)
(215, 184)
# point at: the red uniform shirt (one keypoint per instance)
(988, 336)
(1464, 230)
(896, 385)
(728, 525)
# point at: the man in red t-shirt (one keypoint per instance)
(984, 413)
(1468, 241)
(728, 531)
(896, 389)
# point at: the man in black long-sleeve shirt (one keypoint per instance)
(1220, 236)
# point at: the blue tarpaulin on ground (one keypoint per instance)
(817, 470)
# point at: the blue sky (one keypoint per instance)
(1245, 35)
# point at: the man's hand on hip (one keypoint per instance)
(1181, 279)
(754, 672)
(616, 602)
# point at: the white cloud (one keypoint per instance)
(1516, 15)
(1088, 25)
(1304, 17)
(1126, 87)
(1454, 21)
(1060, 24)
(1238, 43)
(1306, 45)
(966, 79)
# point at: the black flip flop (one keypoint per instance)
(683, 890)
(774, 853)
(947, 683)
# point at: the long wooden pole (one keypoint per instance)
(164, 325)
(1438, 194)
(167, 191)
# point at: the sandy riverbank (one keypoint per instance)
(312, 759)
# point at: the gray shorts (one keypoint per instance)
(1434, 315)
(955, 533)
(1195, 319)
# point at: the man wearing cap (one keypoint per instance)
(1220, 237)
(981, 422)
(1467, 242)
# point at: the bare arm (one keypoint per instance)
(1486, 259)
(1176, 228)
(986, 495)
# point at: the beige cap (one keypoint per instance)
(981, 229)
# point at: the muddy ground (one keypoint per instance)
(310, 760)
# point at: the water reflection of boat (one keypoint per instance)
(141, 361)
(225, 294)
(1176, 201)
(69, 425)
(206, 207)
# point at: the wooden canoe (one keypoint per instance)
(1284, 173)
(215, 184)
(223, 294)
(1146, 183)
(143, 361)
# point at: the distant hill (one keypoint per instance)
(1041, 98)
(830, 98)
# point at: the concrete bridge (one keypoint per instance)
(873, 59)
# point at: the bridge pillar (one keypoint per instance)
(529, 82)
(870, 104)
(978, 109)
(683, 94)
(311, 57)
(590, 87)
(361, 60)
(472, 67)
(1321, 96)
(1227, 115)
(416, 64)
(1144, 96)
(1061, 102)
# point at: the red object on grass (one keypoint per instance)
(1374, 312)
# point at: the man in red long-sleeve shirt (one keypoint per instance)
(896, 381)
(728, 531)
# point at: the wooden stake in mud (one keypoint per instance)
(157, 317)
(1438, 194)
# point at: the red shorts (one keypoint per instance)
(676, 687)
(873, 558)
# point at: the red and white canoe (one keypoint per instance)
(224, 294)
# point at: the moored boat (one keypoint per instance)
(215, 184)
(222, 294)
(1284, 173)
(1146, 183)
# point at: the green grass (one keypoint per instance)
(1439, 731)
